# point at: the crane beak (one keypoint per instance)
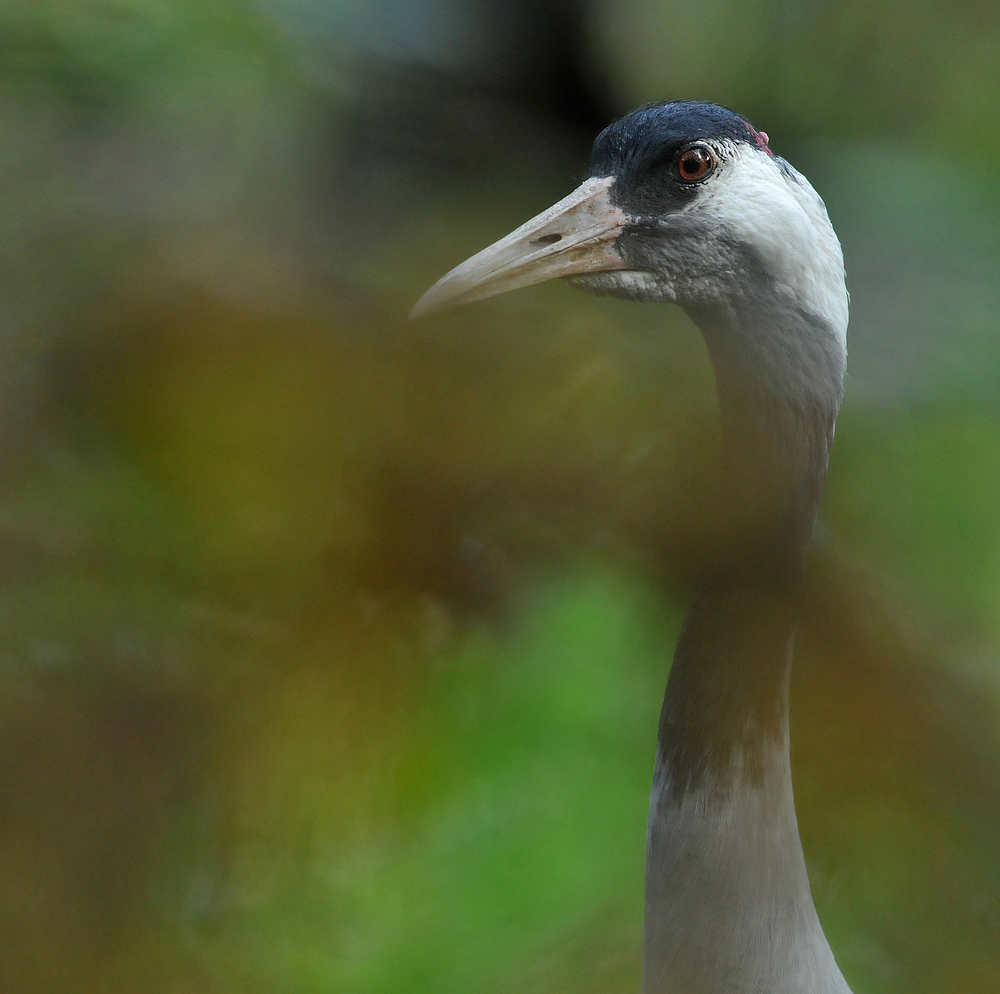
(575, 236)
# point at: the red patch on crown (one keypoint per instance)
(760, 137)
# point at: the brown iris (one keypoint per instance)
(695, 163)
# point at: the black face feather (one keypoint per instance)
(641, 152)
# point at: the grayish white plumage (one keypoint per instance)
(687, 204)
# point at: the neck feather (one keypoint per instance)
(779, 381)
(728, 906)
(779, 375)
(727, 697)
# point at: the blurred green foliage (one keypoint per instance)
(331, 646)
(901, 69)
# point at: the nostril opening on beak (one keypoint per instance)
(546, 239)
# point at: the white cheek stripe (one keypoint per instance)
(774, 208)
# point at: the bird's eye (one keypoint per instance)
(695, 163)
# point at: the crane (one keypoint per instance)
(685, 203)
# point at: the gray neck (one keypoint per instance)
(728, 907)
(779, 374)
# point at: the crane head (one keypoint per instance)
(685, 202)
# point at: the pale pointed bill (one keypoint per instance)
(576, 235)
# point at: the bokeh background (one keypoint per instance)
(332, 645)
